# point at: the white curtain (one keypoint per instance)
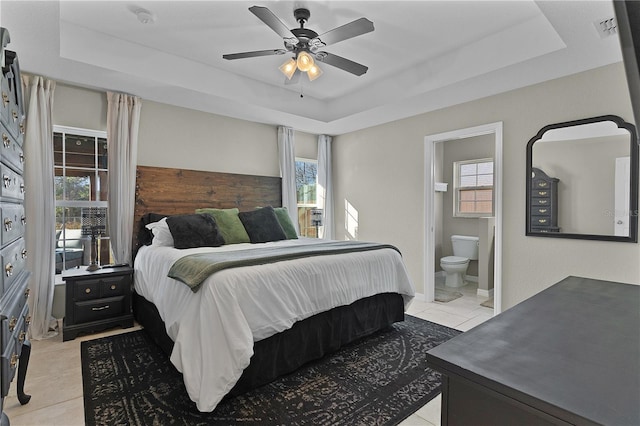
(40, 230)
(123, 118)
(324, 192)
(286, 151)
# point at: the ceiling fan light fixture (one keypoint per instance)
(288, 68)
(314, 72)
(305, 61)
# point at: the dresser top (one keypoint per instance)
(572, 350)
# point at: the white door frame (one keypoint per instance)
(429, 205)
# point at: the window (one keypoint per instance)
(306, 182)
(80, 181)
(473, 182)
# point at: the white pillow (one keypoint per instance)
(161, 233)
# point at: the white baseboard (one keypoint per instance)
(471, 278)
(485, 293)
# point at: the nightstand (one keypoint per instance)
(97, 300)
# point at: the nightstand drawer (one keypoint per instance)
(94, 310)
(87, 290)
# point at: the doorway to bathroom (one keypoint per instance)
(433, 186)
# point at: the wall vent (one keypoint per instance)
(606, 27)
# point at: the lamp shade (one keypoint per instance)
(305, 61)
(316, 217)
(288, 68)
(94, 221)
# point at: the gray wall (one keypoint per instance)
(380, 172)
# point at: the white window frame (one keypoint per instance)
(79, 203)
(457, 188)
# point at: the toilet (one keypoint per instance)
(465, 248)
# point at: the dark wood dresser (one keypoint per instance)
(568, 355)
(14, 310)
(97, 300)
(543, 200)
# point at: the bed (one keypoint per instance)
(248, 323)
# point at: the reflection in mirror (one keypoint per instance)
(583, 180)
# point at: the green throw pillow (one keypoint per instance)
(229, 224)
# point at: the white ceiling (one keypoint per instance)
(423, 55)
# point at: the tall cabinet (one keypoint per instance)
(14, 310)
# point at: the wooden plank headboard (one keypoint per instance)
(179, 191)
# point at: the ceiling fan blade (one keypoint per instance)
(342, 63)
(295, 78)
(254, 54)
(267, 16)
(347, 31)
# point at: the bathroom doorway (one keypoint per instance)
(431, 165)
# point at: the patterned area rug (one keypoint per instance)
(379, 380)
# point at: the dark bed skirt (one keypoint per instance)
(307, 340)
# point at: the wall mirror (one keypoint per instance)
(582, 180)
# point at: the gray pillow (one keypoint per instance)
(262, 225)
(194, 230)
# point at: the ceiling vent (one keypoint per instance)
(606, 27)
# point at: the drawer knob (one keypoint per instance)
(8, 224)
(101, 308)
(23, 219)
(113, 286)
(14, 361)
(5, 99)
(87, 290)
(21, 336)
(6, 181)
(26, 293)
(27, 320)
(12, 324)
(22, 128)
(6, 141)
(22, 157)
(23, 253)
(22, 188)
(8, 269)
(14, 114)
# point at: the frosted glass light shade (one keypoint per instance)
(314, 72)
(305, 61)
(288, 68)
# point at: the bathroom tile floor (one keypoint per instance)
(54, 378)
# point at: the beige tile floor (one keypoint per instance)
(54, 377)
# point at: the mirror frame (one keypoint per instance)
(633, 202)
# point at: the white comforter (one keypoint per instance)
(214, 329)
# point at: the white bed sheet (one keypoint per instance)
(214, 328)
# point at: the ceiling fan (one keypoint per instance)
(306, 44)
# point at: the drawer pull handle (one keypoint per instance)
(23, 219)
(27, 320)
(22, 128)
(8, 269)
(542, 184)
(8, 224)
(542, 192)
(543, 201)
(113, 286)
(542, 210)
(101, 308)
(6, 141)
(542, 220)
(26, 293)
(14, 361)
(5, 99)
(21, 157)
(22, 188)
(87, 290)
(23, 253)
(14, 114)
(12, 324)
(7, 181)
(21, 336)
